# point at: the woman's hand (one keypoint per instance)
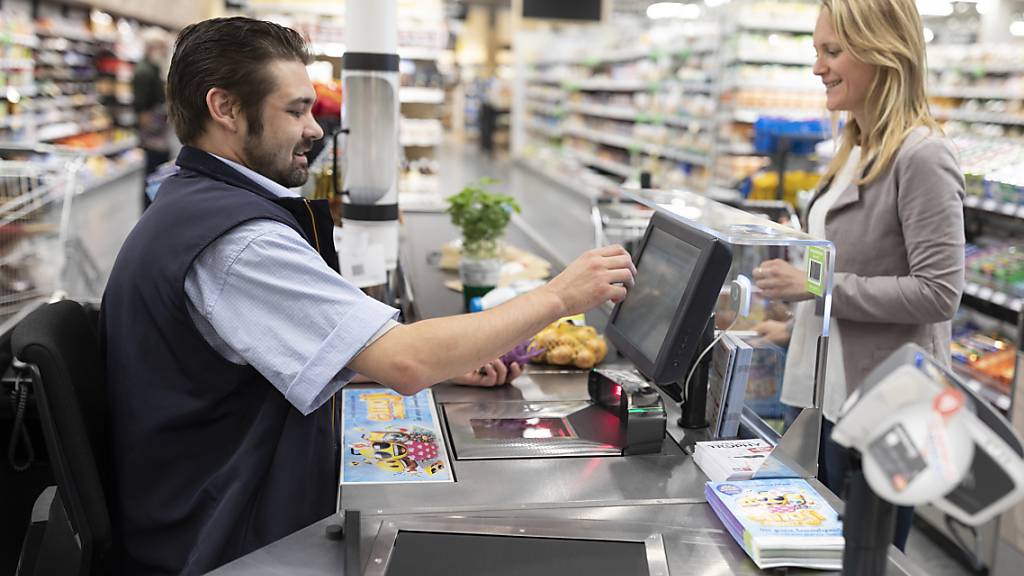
(774, 331)
(491, 374)
(780, 280)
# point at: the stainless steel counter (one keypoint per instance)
(655, 494)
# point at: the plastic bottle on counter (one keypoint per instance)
(502, 294)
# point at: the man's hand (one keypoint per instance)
(780, 280)
(491, 374)
(592, 279)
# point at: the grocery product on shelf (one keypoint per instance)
(989, 358)
(999, 267)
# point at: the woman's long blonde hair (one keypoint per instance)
(889, 35)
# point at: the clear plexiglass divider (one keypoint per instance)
(755, 239)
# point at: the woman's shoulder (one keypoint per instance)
(928, 144)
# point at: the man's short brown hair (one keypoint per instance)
(231, 54)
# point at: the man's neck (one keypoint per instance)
(224, 150)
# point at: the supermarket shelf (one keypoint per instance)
(544, 129)
(544, 79)
(628, 143)
(994, 207)
(750, 115)
(63, 101)
(992, 302)
(545, 96)
(801, 86)
(545, 108)
(979, 67)
(635, 53)
(797, 27)
(17, 64)
(783, 60)
(114, 176)
(611, 166)
(985, 117)
(603, 111)
(976, 92)
(745, 149)
(602, 85)
(25, 90)
(69, 129)
(16, 121)
(631, 114)
(20, 39)
(412, 95)
(114, 147)
(73, 35)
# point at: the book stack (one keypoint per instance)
(779, 522)
(731, 459)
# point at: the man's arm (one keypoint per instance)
(415, 356)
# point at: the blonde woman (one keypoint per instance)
(892, 203)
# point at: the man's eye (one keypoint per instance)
(295, 113)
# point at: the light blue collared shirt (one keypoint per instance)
(236, 288)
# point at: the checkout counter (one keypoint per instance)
(584, 508)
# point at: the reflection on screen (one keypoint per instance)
(663, 273)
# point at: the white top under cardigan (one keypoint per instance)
(798, 382)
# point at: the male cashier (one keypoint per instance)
(227, 329)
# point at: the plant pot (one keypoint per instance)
(479, 275)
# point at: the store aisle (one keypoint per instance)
(554, 217)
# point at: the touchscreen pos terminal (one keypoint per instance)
(660, 324)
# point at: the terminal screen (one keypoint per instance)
(663, 274)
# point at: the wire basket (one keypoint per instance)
(37, 185)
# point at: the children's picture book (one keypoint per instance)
(782, 522)
(389, 438)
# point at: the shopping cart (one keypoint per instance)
(37, 186)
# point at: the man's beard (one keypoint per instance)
(263, 160)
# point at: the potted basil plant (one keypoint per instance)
(482, 216)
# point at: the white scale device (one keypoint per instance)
(924, 437)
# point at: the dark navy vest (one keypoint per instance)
(210, 461)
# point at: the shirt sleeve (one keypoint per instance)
(272, 300)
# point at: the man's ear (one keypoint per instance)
(224, 109)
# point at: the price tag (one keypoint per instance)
(971, 288)
(1009, 209)
(990, 205)
(985, 293)
(815, 270)
(1020, 212)
(972, 201)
